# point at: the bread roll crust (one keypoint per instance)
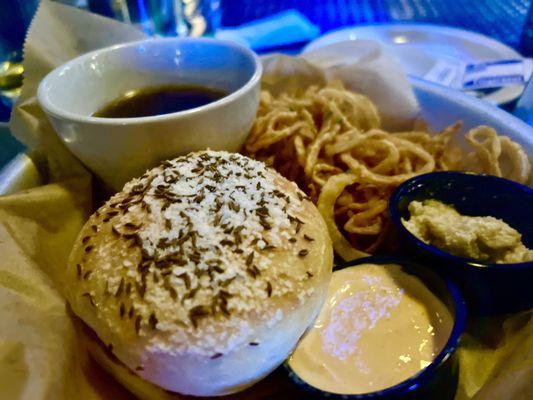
(203, 273)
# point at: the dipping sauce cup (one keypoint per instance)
(488, 288)
(436, 380)
(118, 149)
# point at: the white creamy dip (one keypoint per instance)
(378, 327)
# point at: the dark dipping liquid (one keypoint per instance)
(158, 100)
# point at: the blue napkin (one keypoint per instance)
(281, 29)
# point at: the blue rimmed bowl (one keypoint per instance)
(488, 288)
(438, 381)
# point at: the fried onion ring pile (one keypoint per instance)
(329, 141)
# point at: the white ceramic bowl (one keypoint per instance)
(117, 149)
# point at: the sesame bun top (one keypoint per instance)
(200, 255)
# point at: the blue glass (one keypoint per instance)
(488, 288)
(15, 17)
(163, 17)
(438, 381)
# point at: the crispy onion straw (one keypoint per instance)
(326, 205)
(493, 154)
(329, 141)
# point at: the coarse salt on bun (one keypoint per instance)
(201, 275)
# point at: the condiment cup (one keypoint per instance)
(117, 149)
(488, 288)
(437, 381)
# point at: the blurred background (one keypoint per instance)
(507, 21)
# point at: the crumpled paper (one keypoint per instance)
(40, 356)
(367, 68)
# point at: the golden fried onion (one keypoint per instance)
(326, 205)
(329, 141)
(494, 154)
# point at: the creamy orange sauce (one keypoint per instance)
(378, 327)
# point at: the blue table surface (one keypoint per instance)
(504, 20)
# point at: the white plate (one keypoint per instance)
(420, 46)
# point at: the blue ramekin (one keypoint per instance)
(438, 381)
(488, 288)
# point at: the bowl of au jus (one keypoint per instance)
(478, 229)
(388, 329)
(123, 109)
